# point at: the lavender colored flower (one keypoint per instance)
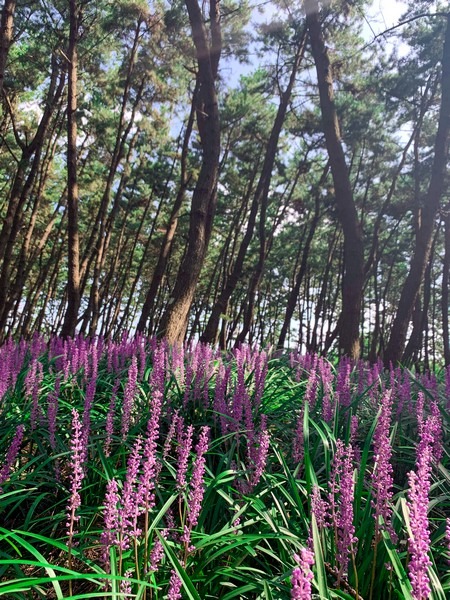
(302, 576)
(196, 485)
(184, 449)
(311, 388)
(220, 405)
(382, 476)
(404, 394)
(341, 504)
(125, 585)
(261, 454)
(109, 534)
(12, 454)
(177, 363)
(175, 583)
(110, 419)
(88, 402)
(240, 396)
(129, 511)
(128, 397)
(326, 374)
(419, 542)
(157, 376)
(157, 553)
(150, 463)
(319, 508)
(438, 449)
(261, 367)
(188, 384)
(447, 535)
(52, 412)
(175, 424)
(32, 382)
(343, 382)
(77, 473)
(420, 411)
(298, 444)
(140, 351)
(447, 386)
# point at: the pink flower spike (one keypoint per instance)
(302, 576)
(12, 454)
(77, 473)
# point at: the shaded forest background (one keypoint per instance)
(145, 186)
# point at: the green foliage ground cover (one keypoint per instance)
(285, 434)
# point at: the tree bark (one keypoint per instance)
(353, 279)
(204, 199)
(445, 294)
(422, 250)
(259, 202)
(171, 227)
(293, 295)
(73, 283)
(6, 32)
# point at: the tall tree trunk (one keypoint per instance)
(259, 202)
(422, 250)
(353, 279)
(73, 283)
(171, 227)
(293, 295)
(6, 32)
(204, 198)
(445, 295)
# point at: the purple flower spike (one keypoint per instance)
(196, 484)
(183, 457)
(175, 584)
(12, 454)
(419, 543)
(157, 553)
(447, 535)
(302, 576)
(341, 504)
(319, 508)
(128, 397)
(261, 455)
(77, 473)
(382, 476)
(111, 519)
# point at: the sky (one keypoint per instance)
(382, 15)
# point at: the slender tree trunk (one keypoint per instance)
(6, 32)
(353, 279)
(22, 186)
(204, 198)
(445, 294)
(265, 246)
(169, 234)
(419, 261)
(73, 283)
(259, 202)
(293, 295)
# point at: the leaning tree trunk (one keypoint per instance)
(353, 278)
(204, 199)
(73, 283)
(422, 250)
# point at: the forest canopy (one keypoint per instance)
(269, 173)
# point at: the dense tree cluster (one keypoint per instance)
(210, 171)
